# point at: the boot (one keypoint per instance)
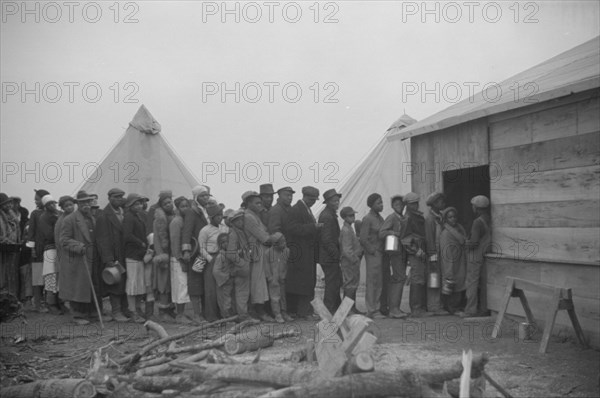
(115, 305)
(37, 299)
(275, 307)
(52, 302)
(149, 312)
(415, 300)
(125, 306)
(394, 298)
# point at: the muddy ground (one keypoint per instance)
(44, 346)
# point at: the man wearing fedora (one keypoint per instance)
(278, 221)
(109, 239)
(77, 237)
(301, 276)
(266, 194)
(433, 228)
(329, 250)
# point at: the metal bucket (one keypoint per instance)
(391, 243)
(434, 280)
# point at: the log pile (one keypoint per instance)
(337, 363)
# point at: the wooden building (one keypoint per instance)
(531, 144)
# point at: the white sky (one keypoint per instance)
(368, 54)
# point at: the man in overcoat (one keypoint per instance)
(329, 250)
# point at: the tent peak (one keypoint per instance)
(144, 122)
(403, 121)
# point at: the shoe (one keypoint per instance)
(128, 313)
(266, 318)
(397, 315)
(164, 317)
(182, 319)
(441, 313)
(310, 318)
(120, 317)
(55, 310)
(287, 317)
(198, 319)
(420, 314)
(279, 318)
(137, 318)
(375, 315)
(81, 321)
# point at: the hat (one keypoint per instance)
(289, 189)
(64, 199)
(132, 198)
(330, 193)
(16, 199)
(310, 191)
(116, 192)
(266, 189)
(213, 209)
(4, 199)
(162, 195)
(447, 210)
(83, 196)
(236, 214)
(480, 201)
(248, 194)
(227, 213)
(411, 197)
(396, 197)
(47, 199)
(372, 199)
(347, 211)
(433, 197)
(41, 192)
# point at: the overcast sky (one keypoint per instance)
(351, 60)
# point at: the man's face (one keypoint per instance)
(452, 218)
(167, 205)
(68, 207)
(439, 204)
(184, 205)
(216, 220)
(203, 198)
(51, 207)
(85, 206)
(7, 207)
(286, 197)
(116, 201)
(334, 203)
(137, 206)
(267, 200)
(310, 200)
(238, 222)
(255, 204)
(37, 200)
(398, 206)
(350, 219)
(378, 205)
(414, 206)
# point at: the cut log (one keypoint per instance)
(153, 370)
(310, 350)
(360, 363)
(160, 383)
(197, 357)
(357, 328)
(154, 362)
(131, 360)
(274, 375)
(53, 388)
(298, 355)
(219, 357)
(365, 343)
(239, 344)
(197, 347)
(233, 391)
(162, 333)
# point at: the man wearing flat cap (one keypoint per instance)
(329, 250)
(303, 233)
(278, 221)
(478, 244)
(109, 239)
(433, 228)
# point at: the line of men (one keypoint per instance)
(257, 261)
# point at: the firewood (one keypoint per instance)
(131, 360)
(234, 391)
(160, 383)
(298, 355)
(52, 388)
(239, 344)
(197, 357)
(214, 343)
(153, 370)
(360, 363)
(274, 375)
(219, 357)
(310, 350)
(496, 385)
(162, 333)
(154, 362)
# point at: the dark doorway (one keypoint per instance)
(461, 185)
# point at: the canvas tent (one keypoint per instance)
(141, 161)
(381, 171)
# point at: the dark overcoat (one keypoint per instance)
(111, 246)
(303, 235)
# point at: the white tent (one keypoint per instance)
(385, 170)
(141, 161)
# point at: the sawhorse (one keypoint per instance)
(561, 299)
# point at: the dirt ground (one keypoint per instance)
(44, 346)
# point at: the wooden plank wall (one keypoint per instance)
(545, 181)
(457, 147)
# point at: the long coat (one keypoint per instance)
(193, 221)
(329, 239)
(111, 246)
(77, 241)
(302, 268)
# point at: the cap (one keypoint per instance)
(248, 194)
(236, 214)
(433, 197)
(330, 193)
(83, 196)
(347, 211)
(480, 201)
(116, 192)
(64, 199)
(213, 209)
(227, 213)
(289, 189)
(47, 199)
(411, 197)
(266, 189)
(132, 198)
(310, 191)
(198, 190)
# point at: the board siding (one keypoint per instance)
(573, 213)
